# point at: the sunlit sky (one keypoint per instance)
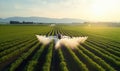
(91, 10)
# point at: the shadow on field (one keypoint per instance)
(24, 63)
(72, 66)
(5, 65)
(42, 59)
(55, 61)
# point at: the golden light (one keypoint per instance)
(101, 8)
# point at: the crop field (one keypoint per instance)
(20, 50)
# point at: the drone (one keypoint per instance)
(60, 39)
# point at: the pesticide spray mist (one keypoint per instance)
(65, 40)
(70, 42)
(43, 39)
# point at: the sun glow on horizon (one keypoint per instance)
(104, 9)
(90, 10)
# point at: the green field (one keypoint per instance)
(21, 51)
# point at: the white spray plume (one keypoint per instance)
(70, 42)
(43, 39)
(65, 40)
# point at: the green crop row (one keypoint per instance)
(105, 50)
(7, 51)
(97, 59)
(105, 57)
(80, 64)
(16, 64)
(88, 61)
(16, 53)
(48, 59)
(63, 65)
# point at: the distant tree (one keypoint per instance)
(14, 22)
(27, 22)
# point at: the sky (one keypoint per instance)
(90, 10)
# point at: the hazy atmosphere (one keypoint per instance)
(91, 10)
(59, 35)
